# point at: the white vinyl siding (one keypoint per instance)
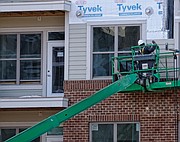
(77, 52)
(161, 43)
(20, 93)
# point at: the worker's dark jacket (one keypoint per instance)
(148, 49)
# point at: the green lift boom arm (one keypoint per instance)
(55, 120)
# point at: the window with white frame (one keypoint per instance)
(56, 134)
(20, 58)
(109, 41)
(6, 133)
(114, 132)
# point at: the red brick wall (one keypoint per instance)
(156, 112)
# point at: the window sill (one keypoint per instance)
(102, 78)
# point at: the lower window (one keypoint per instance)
(6, 133)
(114, 132)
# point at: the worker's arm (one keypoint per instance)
(152, 47)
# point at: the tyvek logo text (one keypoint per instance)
(160, 8)
(94, 11)
(127, 10)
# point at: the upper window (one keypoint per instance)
(111, 41)
(114, 132)
(20, 58)
(56, 36)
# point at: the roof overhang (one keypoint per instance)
(34, 103)
(47, 5)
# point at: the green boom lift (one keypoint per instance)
(132, 72)
(156, 71)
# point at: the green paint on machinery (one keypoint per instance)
(156, 71)
(55, 120)
(132, 72)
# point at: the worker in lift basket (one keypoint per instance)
(146, 49)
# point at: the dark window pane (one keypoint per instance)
(22, 129)
(58, 70)
(128, 36)
(56, 131)
(6, 134)
(102, 64)
(104, 133)
(8, 45)
(127, 133)
(7, 70)
(30, 69)
(56, 36)
(103, 39)
(30, 46)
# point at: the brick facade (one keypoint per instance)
(156, 112)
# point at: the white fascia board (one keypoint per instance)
(34, 103)
(35, 6)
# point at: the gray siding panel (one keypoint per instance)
(80, 31)
(77, 35)
(162, 42)
(77, 68)
(80, 45)
(77, 52)
(78, 49)
(78, 58)
(77, 26)
(20, 93)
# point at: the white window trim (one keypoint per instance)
(66, 59)
(177, 36)
(176, 9)
(115, 128)
(125, 21)
(45, 53)
(44, 31)
(19, 125)
(18, 34)
(54, 43)
(176, 32)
